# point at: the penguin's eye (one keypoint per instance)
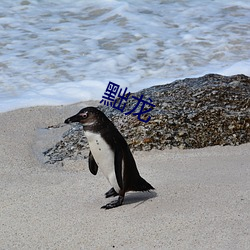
(84, 115)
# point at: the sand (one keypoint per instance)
(201, 198)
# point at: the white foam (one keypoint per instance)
(60, 52)
(242, 67)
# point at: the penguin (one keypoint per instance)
(110, 152)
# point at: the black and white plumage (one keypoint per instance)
(110, 152)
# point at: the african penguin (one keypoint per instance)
(110, 152)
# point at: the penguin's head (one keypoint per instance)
(88, 117)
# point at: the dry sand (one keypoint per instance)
(201, 201)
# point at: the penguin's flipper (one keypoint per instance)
(111, 193)
(118, 166)
(93, 167)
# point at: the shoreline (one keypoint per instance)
(201, 198)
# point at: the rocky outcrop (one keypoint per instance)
(190, 113)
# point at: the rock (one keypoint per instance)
(190, 113)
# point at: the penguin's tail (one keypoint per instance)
(141, 185)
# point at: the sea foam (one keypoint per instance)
(63, 52)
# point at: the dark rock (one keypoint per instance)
(190, 113)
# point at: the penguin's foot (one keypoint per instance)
(111, 193)
(113, 204)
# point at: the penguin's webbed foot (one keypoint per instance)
(113, 204)
(111, 193)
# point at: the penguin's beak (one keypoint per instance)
(74, 118)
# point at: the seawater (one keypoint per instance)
(61, 52)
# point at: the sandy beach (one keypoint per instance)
(201, 198)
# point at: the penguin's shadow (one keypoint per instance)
(137, 198)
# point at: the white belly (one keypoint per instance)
(104, 157)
